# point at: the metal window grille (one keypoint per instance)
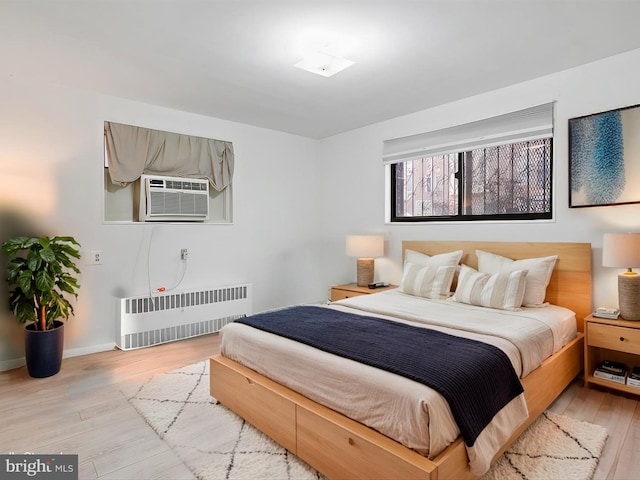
(510, 181)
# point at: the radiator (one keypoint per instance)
(145, 321)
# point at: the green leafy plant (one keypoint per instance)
(40, 276)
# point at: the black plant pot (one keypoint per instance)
(43, 349)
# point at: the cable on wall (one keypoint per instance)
(159, 290)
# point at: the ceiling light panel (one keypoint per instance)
(323, 64)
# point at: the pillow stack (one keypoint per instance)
(499, 290)
(504, 283)
(538, 276)
(429, 276)
(499, 282)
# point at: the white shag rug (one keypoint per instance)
(217, 444)
(553, 447)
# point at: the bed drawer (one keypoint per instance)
(251, 399)
(342, 448)
(612, 337)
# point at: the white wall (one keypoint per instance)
(51, 182)
(353, 181)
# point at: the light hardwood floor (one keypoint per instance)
(82, 410)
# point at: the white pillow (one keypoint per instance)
(499, 290)
(440, 260)
(540, 270)
(428, 282)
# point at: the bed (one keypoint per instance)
(299, 418)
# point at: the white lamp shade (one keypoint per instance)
(621, 250)
(365, 246)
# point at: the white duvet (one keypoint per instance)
(407, 411)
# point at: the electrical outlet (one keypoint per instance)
(184, 254)
(95, 258)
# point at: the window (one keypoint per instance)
(507, 182)
(494, 169)
(131, 151)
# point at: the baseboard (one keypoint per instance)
(11, 364)
(76, 352)
(73, 352)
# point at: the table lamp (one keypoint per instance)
(365, 248)
(622, 250)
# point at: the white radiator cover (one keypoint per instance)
(145, 321)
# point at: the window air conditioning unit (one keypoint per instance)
(173, 199)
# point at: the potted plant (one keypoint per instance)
(40, 277)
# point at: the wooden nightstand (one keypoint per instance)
(338, 292)
(617, 340)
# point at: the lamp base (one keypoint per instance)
(365, 271)
(629, 295)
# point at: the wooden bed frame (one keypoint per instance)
(339, 447)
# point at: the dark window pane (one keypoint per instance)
(427, 187)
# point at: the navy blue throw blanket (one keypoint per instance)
(476, 379)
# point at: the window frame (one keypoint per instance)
(460, 216)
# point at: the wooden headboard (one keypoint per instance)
(570, 284)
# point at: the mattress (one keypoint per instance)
(409, 412)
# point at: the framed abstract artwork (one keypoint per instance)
(604, 158)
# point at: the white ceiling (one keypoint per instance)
(234, 59)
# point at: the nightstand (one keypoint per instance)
(617, 340)
(339, 292)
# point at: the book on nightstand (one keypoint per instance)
(614, 371)
(634, 377)
(611, 313)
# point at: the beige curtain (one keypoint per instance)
(133, 151)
